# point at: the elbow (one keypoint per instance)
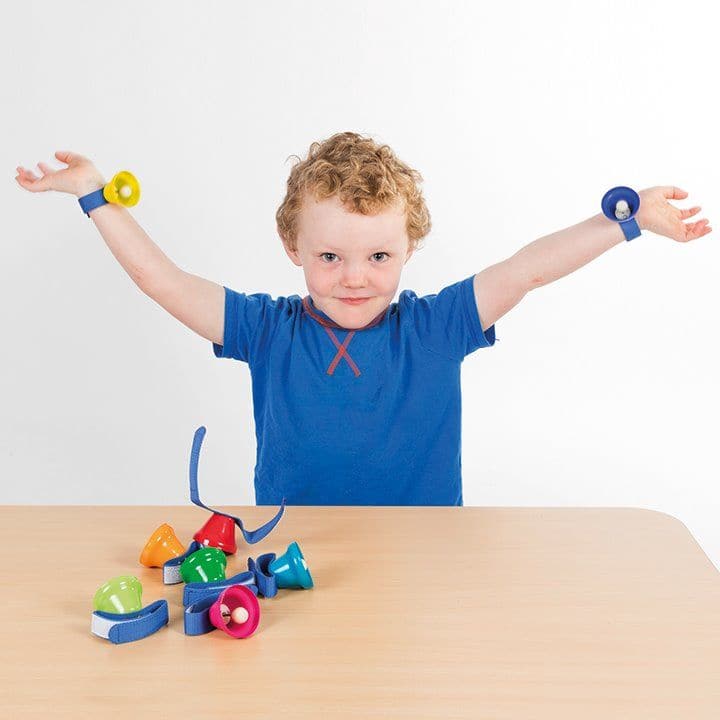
(534, 281)
(154, 279)
(147, 280)
(138, 275)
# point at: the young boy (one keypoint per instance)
(356, 398)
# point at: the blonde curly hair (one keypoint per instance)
(366, 176)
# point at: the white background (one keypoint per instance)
(603, 388)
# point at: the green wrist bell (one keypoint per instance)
(204, 565)
(122, 594)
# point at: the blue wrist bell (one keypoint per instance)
(620, 204)
(123, 189)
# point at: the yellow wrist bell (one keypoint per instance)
(123, 189)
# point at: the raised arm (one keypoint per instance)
(194, 301)
(197, 303)
(500, 287)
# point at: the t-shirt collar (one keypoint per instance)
(320, 317)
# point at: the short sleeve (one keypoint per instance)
(448, 323)
(249, 323)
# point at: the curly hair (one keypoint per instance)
(366, 176)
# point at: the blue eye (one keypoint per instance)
(380, 253)
(325, 255)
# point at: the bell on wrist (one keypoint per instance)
(620, 204)
(123, 189)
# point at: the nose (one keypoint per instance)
(353, 275)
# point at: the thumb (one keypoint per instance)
(674, 193)
(68, 157)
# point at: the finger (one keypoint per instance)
(46, 169)
(68, 157)
(689, 212)
(701, 232)
(674, 193)
(27, 179)
(27, 174)
(696, 229)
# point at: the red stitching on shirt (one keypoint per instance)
(342, 349)
(342, 352)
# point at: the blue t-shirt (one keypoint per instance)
(370, 417)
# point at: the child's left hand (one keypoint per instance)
(659, 216)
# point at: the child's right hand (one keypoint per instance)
(79, 178)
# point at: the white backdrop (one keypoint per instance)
(603, 388)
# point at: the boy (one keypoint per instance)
(356, 399)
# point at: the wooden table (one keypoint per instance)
(416, 613)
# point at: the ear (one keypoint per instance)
(409, 255)
(292, 254)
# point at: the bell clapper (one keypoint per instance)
(239, 615)
(225, 613)
(622, 210)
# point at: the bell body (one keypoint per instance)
(219, 532)
(121, 594)
(627, 196)
(123, 189)
(204, 565)
(291, 570)
(161, 546)
(236, 612)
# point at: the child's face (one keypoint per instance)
(349, 255)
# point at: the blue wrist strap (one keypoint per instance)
(127, 627)
(251, 536)
(192, 592)
(264, 577)
(630, 228)
(171, 569)
(196, 617)
(92, 200)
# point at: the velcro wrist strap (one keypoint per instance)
(196, 591)
(264, 577)
(251, 536)
(92, 200)
(127, 627)
(171, 569)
